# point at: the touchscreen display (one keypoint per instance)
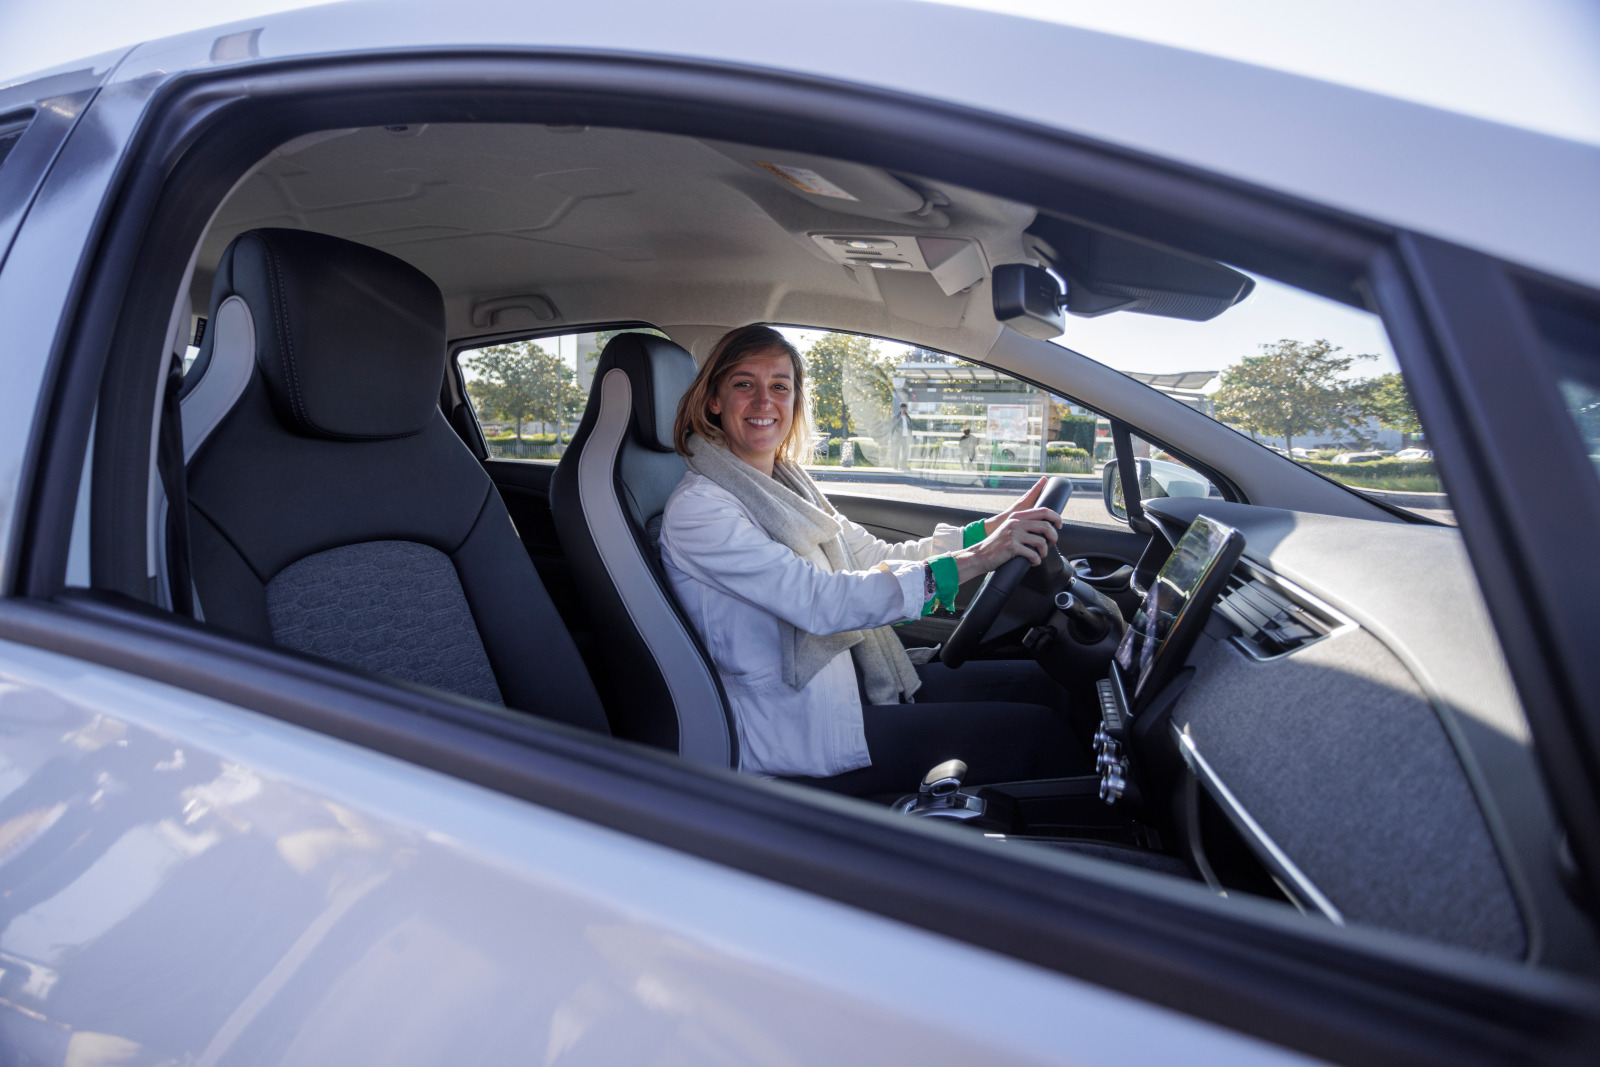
(1171, 596)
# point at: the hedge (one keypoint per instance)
(527, 439)
(1401, 475)
(1079, 429)
(1062, 458)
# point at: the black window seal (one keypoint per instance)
(1354, 996)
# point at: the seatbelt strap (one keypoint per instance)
(175, 482)
(1128, 468)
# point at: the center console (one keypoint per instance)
(1105, 811)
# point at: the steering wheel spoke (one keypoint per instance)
(1000, 586)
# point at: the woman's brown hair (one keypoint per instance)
(736, 346)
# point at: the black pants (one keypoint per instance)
(1006, 719)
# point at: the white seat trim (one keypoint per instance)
(704, 732)
(233, 358)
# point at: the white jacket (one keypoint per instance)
(735, 582)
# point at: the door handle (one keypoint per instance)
(1113, 582)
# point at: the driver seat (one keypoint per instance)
(333, 510)
(659, 685)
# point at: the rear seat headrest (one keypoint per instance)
(349, 340)
(660, 372)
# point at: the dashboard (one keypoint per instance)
(1346, 711)
(1313, 709)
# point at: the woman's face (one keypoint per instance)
(756, 402)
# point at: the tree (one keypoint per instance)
(1386, 399)
(521, 382)
(1292, 389)
(850, 379)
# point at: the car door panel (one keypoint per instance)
(315, 901)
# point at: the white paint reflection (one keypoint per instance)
(20, 831)
(236, 785)
(125, 876)
(97, 733)
(40, 980)
(305, 849)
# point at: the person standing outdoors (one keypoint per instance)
(968, 445)
(900, 440)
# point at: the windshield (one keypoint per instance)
(1310, 378)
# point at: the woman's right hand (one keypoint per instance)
(1027, 533)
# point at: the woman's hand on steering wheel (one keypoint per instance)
(1026, 532)
(1026, 502)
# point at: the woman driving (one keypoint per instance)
(795, 602)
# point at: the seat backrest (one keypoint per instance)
(332, 509)
(608, 494)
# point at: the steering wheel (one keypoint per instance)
(1000, 583)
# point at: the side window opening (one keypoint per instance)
(894, 421)
(969, 435)
(1571, 333)
(529, 394)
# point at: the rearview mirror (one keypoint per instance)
(1106, 271)
(1028, 299)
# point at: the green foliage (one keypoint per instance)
(521, 382)
(528, 438)
(1401, 475)
(1079, 429)
(866, 452)
(850, 383)
(1386, 399)
(1292, 389)
(1061, 458)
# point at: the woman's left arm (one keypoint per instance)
(870, 550)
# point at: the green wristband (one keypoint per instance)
(972, 533)
(946, 580)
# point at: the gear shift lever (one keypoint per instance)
(940, 795)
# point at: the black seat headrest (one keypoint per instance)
(659, 372)
(349, 340)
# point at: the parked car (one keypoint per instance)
(327, 738)
(1358, 457)
(1414, 454)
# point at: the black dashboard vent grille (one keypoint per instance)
(1271, 618)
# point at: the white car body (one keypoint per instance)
(264, 887)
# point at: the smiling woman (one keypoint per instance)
(793, 600)
(745, 398)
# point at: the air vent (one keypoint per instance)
(1274, 617)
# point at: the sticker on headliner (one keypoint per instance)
(805, 180)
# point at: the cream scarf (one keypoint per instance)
(793, 512)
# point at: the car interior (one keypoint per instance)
(1293, 692)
